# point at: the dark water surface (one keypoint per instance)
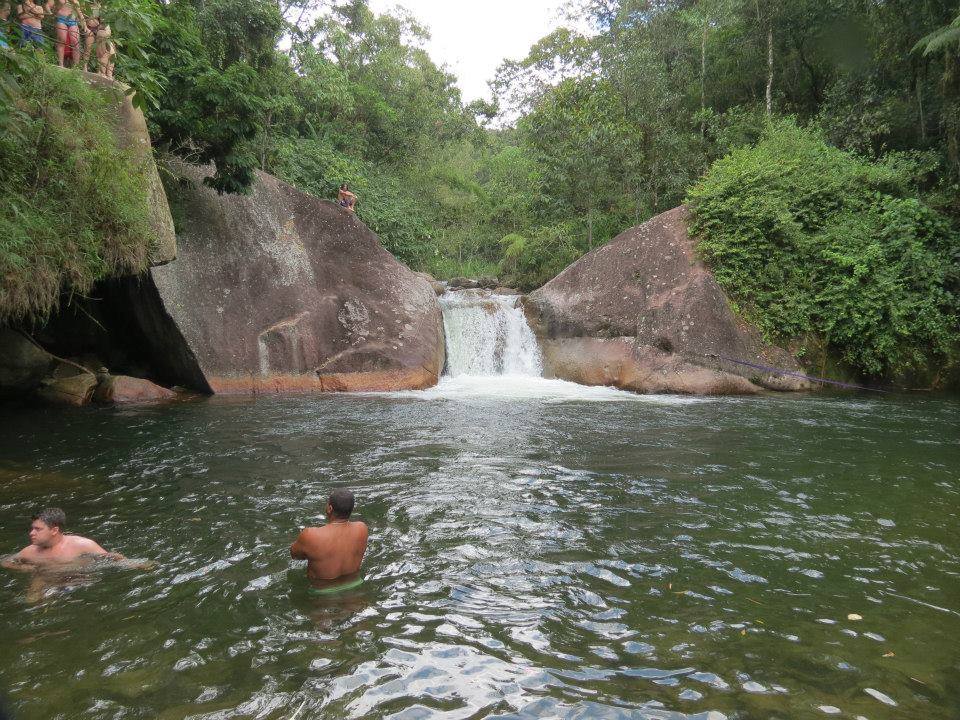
(529, 558)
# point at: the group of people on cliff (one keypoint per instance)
(80, 38)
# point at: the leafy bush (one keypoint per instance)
(807, 238)
(73, 205)
(386, 202)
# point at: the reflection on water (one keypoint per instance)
(533, 554)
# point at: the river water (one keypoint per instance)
(538, 550)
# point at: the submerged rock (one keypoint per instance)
(644, 314)
(125, 389)
(278, 291)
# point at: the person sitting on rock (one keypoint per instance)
(98, 41)
(30, 14)
(50, 546)
(346, 199)
(333, 552)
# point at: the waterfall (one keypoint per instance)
(488, 335)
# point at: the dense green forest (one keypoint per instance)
(817, 141)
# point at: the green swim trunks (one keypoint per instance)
(334, 589)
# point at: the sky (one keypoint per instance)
(473, 38)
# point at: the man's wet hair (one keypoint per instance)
(343, 186)
(52, 517)
(342, 503)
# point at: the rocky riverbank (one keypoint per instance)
(642, 313)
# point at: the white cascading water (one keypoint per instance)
(492, 354)
(488, 335)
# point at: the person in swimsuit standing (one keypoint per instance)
(98, 41)
(30, 14)
(69, 17)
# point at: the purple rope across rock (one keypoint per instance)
(790, 373)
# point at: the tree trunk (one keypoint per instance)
(769, 68)
(590, 229)
(921, 76)
(265, 141)
(703, 79)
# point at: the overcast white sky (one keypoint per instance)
(473, 38)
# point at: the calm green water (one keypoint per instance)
(531, 557)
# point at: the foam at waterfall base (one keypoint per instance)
(527, 387)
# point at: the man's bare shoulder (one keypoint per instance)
(311, 535)
(29, 554)
(80, 545)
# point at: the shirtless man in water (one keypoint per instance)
(334, 551)
(49, 546)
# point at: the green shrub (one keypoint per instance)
(806, 238)
(74, 206)
(529, 262)
(387, 203)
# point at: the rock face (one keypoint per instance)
(23, 365)
(643, 313)
(131, 130)
(278, 291)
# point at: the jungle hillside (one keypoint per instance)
(816, 142)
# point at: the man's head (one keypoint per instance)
(340, 504)
(46, 527)
(344, 187)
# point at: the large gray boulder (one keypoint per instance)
(644, 314)
(278, 292)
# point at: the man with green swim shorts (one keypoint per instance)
(333, 552)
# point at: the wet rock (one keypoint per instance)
(75, 366)
(73, 390)
(438, 287)
(279, 292)
(622, 363)
(500, 290)
(484, 282)
(123, 389)
(643, 313)
(462, 283)
(22, 364)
